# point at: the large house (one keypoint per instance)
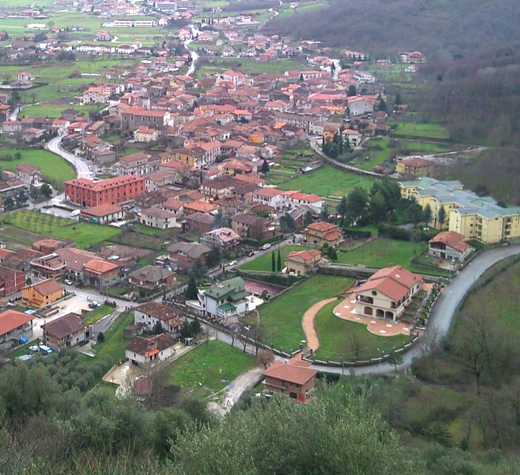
(302, 262)
(321, 232)
(225, 299)
(415, 166)
(42, 294)
(293, 378)
(15, 327)
(248, 225)
(150, 277)
(149, 314)
(113, 191)
(157, 218)
(151, 350)
(475, 217)
(224, 238)
(449, 245)
(103, 214)
(387, 293)
(188, 253)
(66, 332)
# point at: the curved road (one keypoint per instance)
(82, 170)
(443, 310)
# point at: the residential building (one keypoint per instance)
(224, 238)
(50, 266)
(188, 253)
(150, 350)
(449, 245)
(200, 223)
(149, 314)
(66, 332)
(103, 214)
(113, 191)
(387, 293)
(15, 327)
(29, 174)
(42, 294)
(360, 105)
(11, 281)
(146, 134)
(415, 166)
(133, 23)
(96, 95)
(248, 225)
(138, 164)
(157, 218)
(293, 378)
(475, 217)
(302, 262)
(225, 299)
(151, 277)
(100, 274)
(136, 117)
(321, 232)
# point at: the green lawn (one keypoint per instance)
(282, 317)
(426, 131)
(53, 110)
(84, 234)
(97, 314)
(114, 344)
(52, 166)
(148, 230)
(343, 338)
(263, 263)
(327, 181)
(250, 66)
(302, 8)
(210, 367)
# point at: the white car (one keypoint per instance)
(232, 263)
(266, 246)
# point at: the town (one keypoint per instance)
(192, 205)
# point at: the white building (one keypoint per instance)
(150, 313)
(149, 351)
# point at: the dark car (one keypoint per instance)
(250, 253)
(84, 342)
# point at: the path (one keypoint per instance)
(311, 335)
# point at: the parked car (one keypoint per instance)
(250, 253)
(84, 342)
(266, 246)
(232, 263)
(94, 305)
(67, 282)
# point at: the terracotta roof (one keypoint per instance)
(290, 372)
(392, 289)
(48, 287)
(104, 184)
(451, 239)
(322, 226)
(99, 266)
(398, 274)
(311, 255)
(101, 210)
(149, 346)
(64, 326)
(11, 319)
(159, 311)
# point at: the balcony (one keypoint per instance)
(363, 299)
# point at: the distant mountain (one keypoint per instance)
(441, 28)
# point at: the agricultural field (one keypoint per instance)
(114, 345)
(209, 368)
(352, 341)
(327, 181)
(84, 234)
(55, 110)
(52, 166)
(424, 131)
(302, 8)
(282, 317)
(263, 263)
(97, 314)
(138, 239)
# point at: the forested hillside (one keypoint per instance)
(441, 27)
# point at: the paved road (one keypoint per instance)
(444, 309)
(82, 170)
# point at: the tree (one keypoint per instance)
(279, 262)
(17, 155)
(158, 327)
(377, 208)
(9, 202)
(265, 357)
(191, 289)
(307, 219)
(214, 257)
(287, 223)
(195, 327)
(357, 201)
(324, 215)
(352, 91)
(198, 270)
(101, 337)
(397, 100)
(441, 216)
(342, 207)
(46, 190)
(382, 105)
(273, 262)
(395, 359)
(427, 214)
(265, 167)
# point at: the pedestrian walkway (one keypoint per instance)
(311, 335)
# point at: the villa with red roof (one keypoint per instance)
(13, 326)
(449, 245)
(302, 262)
(293, 378)
(321, 232)
(387, 293)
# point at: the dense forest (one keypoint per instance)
(440, 28)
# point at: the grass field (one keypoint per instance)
(426, 131)
(250, 66)
(263, 263)
(84, 234)
(114, 344)
(53, 110)
(302, 8)
(282, 317)
(97, 314)
(52, 166)
(327, 181)
(210, 367)
(340, 338)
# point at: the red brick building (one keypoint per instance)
(293, 378)
(112, 191)
(11, 280)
